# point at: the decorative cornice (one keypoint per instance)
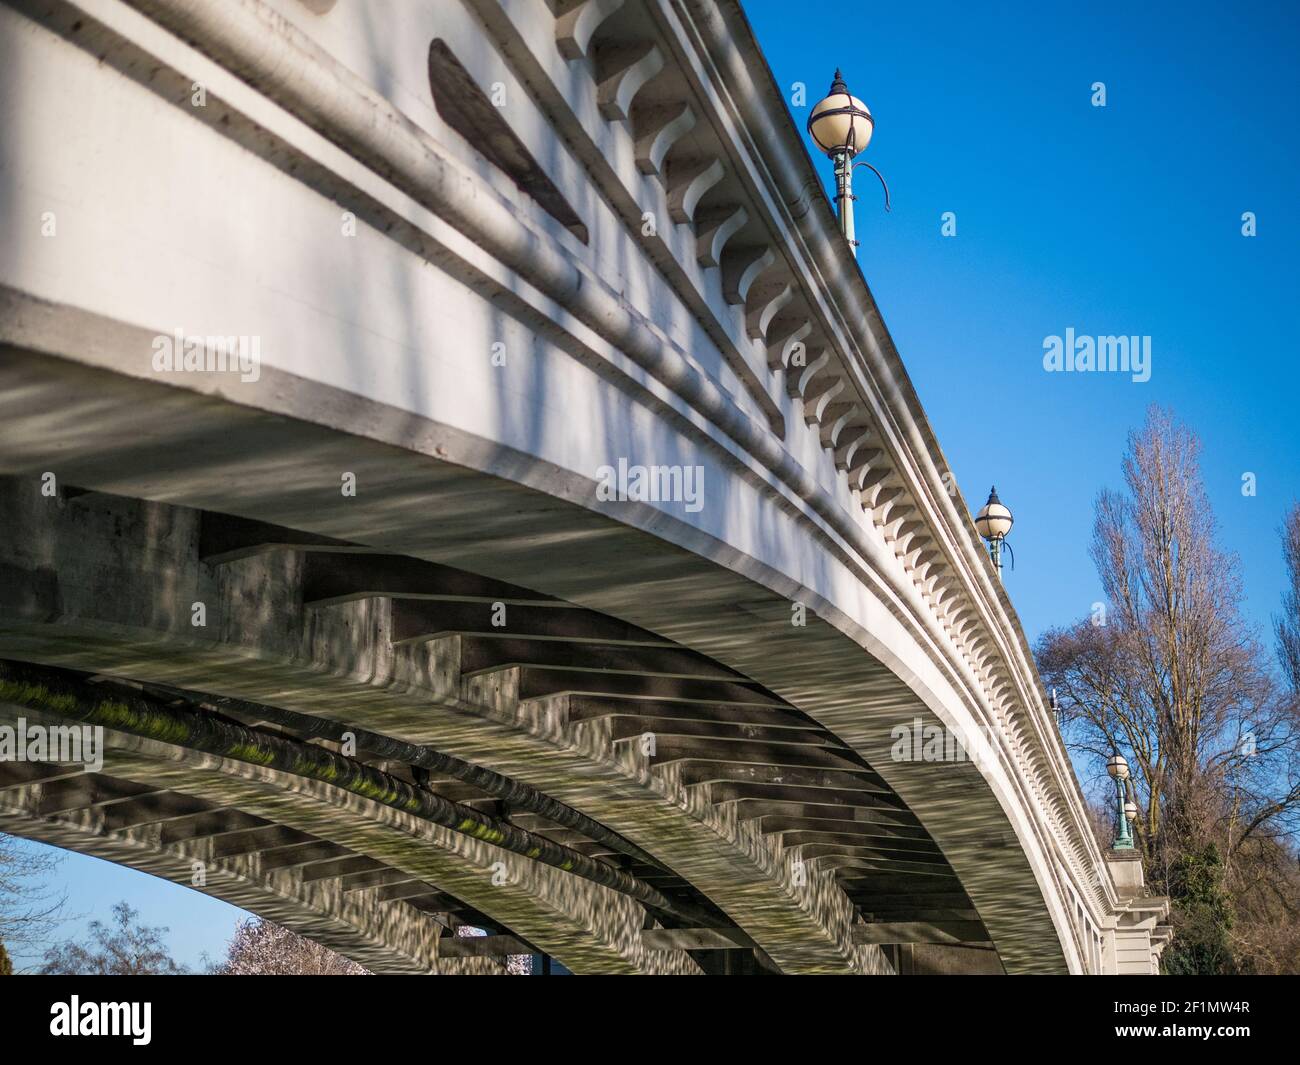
(910, 467)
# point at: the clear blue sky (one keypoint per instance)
(1118, 220)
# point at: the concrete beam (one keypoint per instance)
(582, 924)
(949, 932)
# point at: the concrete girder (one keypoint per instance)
(433, 191)
(383, 936)
(338, 661)
(589, 928)
(286, 76)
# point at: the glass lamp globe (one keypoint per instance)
(1117, 767)
(840, 122)
(1131, 812)
(994, 520)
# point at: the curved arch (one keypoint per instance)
(385, 938)
(340, 659)
(590, 929)
(792, 618)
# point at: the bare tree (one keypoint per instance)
(260, 948)
(1266, 897)
(1288, 624)
(1168, 673)
(124, 949)
(29, 908)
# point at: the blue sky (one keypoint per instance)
(196, 924)
(1123, 219)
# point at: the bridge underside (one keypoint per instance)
(470, 687)
(770, 801)
(762, 841)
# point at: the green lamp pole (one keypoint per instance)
(1117, 767)
(843, 161)
(993, 522)
(841, 126)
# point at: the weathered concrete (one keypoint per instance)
(473, 362)
(104, 615)
(590, 929)
(385, 938)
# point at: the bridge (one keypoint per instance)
(450, 456)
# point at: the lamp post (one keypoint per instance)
(841, 126)
(1117, 767)
(993, 522)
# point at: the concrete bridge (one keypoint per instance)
(450, 453)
